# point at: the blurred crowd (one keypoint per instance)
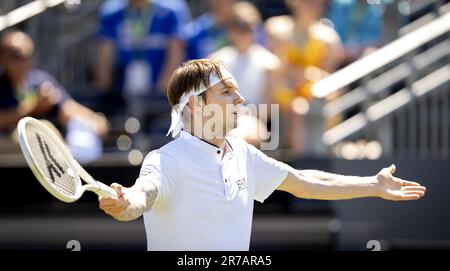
(139, 43)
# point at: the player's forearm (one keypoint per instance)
(141, 197)
(327, 186)
(335, 190)
(326, 176)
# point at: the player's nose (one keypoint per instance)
(238, 98)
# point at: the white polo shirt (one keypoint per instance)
(205, 201)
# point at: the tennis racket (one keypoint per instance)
(53, 165)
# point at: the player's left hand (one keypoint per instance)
(393, 188)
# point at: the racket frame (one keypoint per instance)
(78, 171)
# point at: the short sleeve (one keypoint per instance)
(269, 173)
(160, 169)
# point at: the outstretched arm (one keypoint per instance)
(313, 184)
(131, 202)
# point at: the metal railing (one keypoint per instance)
(26, 12)
(66, 46)
(401, 96)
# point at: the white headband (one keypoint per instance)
(176, 115)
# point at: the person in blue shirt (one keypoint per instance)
(359, 25)
(25, 91)
(180, 7)
(207, 33)
(138, 48)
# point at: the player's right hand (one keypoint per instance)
(117, 205)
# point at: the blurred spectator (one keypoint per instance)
(180, 7)
(30, 92)
(309, 50)
(138, 48)
(252, 64)
(359, 26)
(253, 67)
(206, 34)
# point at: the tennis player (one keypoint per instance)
(197, 192)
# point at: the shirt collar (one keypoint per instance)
(204, 146)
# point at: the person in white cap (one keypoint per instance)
(197, 192)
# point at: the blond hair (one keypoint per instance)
(190, 75)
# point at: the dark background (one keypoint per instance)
(30, 218)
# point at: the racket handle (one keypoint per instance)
(105, 191)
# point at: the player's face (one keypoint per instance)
(226, 97)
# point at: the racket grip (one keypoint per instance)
(105, 191)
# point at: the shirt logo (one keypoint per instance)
(242, 183)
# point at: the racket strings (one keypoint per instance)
(52, 161)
